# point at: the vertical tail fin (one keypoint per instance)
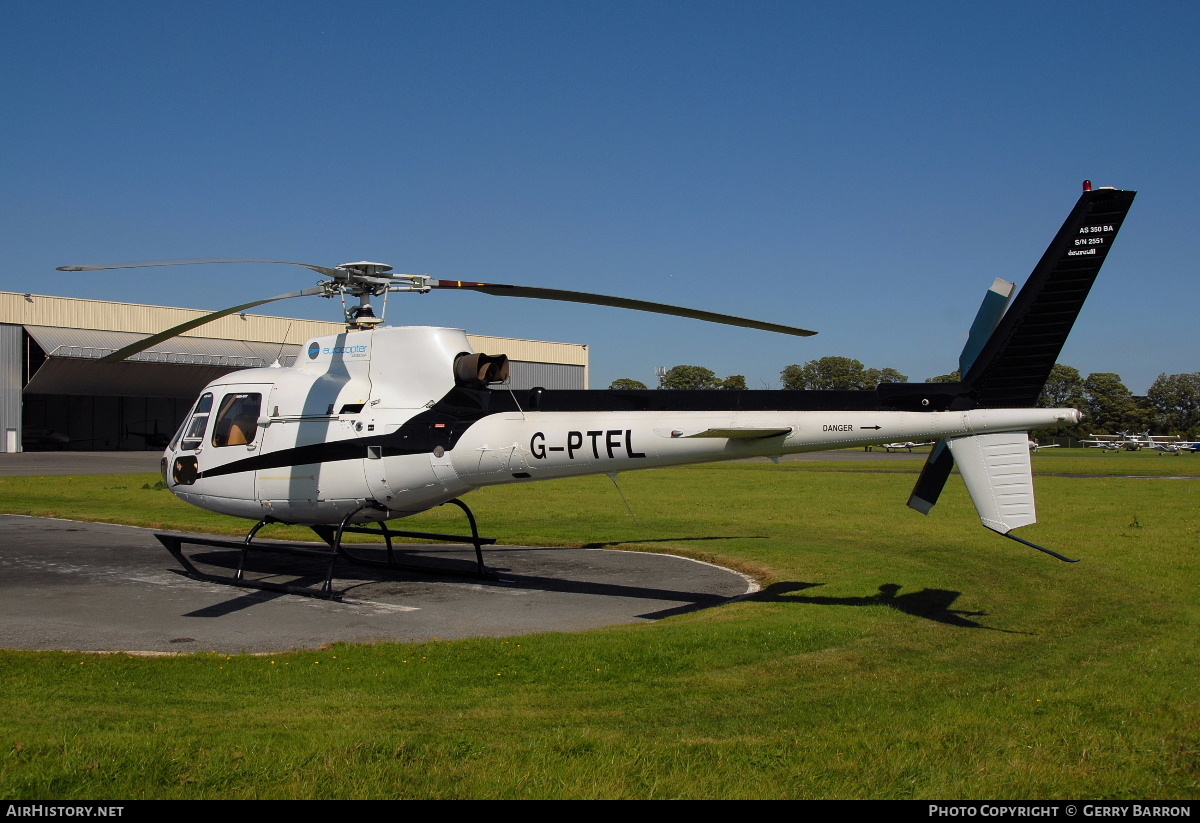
(1008, 358)
(1013, 365)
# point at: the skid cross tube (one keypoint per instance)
(333, 537)
(174, 544)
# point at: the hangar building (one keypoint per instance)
(54, 394)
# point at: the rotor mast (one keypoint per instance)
(365, 280)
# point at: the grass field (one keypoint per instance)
(889, 655)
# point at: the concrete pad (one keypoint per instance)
(98, 587)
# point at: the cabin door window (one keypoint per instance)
(237, 420)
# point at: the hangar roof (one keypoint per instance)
(91, 344)
(73, 314)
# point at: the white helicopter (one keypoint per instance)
(379, 423)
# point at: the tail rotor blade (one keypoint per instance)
(990, 311)
(933, 478)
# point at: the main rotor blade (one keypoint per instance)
(328, 272)
(174, 331)
(502, 290)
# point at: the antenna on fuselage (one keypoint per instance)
(613, 477)
(279, 354)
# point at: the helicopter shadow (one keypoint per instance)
(929, 604)
(309, 574)
(440, 564)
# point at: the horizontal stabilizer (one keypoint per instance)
(997, 472)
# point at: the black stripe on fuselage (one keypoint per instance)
(446, 422)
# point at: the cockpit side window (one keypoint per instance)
(193, 429)
(237, 422)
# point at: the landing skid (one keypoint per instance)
(174, 543)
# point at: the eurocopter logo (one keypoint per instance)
(314, 350)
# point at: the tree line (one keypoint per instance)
(1171, 406)
(826, 373)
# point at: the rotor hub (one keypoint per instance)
(366, 268)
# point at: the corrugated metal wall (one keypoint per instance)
(524, 375)
(10, 386)
(533, 351)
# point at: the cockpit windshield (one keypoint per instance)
(193, 429)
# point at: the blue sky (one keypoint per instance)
(863, 169)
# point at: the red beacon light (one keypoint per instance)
(1087, 185)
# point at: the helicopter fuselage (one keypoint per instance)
(375, 422)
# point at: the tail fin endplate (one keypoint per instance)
(998, 475)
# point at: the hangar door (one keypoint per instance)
(72, 401)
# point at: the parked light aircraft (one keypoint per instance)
(1162, 443)
(379, 422)
(907, 445)
(1121, 441)
(1169, 444)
